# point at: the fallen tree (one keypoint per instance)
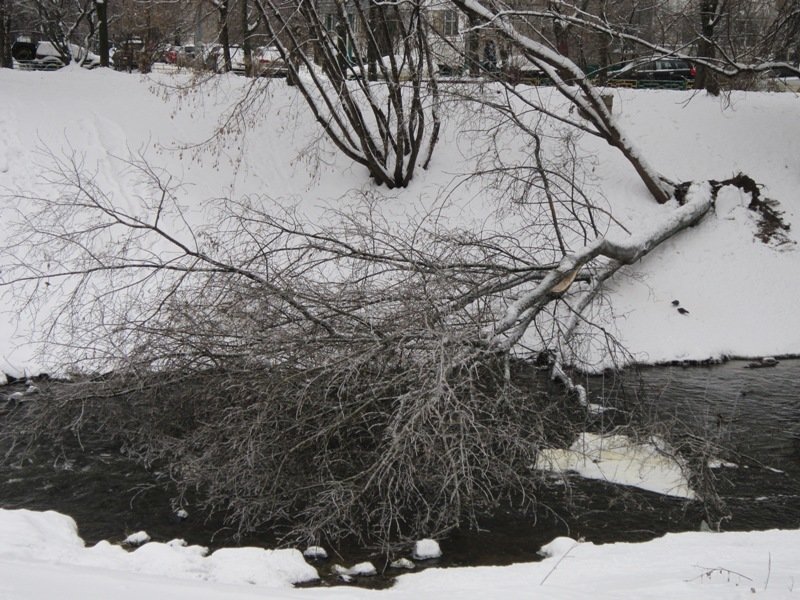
(358, 377)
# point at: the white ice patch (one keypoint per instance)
(617, 459)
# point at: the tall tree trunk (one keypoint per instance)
(706, 79)
(372, 47)
(145, 56)
(472, 45)
(341, 43)
(249, 67)
(5, 35)
(296, 51)
(102, 24)
(224, 35)
(560, 30)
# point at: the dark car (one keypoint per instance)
(46, 56)
(136, 53)
(782, 79)
(658, 69)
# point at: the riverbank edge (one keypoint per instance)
(7, 379)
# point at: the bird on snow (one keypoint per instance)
(683, 311)
(675, 303)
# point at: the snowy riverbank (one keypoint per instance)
(739, 293)
(42, 557)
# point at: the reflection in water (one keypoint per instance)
(752, 413)
(756, 412)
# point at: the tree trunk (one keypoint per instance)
(622, 251)
(102, 23)
(341, 43)
(5, 35)
(706, 79)
(372, 47)
(249, 68)
(587, 97)
(224, 36)
(472, 45)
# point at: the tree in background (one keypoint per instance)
(62, 22)
(389, 126)
(5, 34)
(224, 37)
(782, 39)
(101, 8)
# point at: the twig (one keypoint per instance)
(769, 571)
(708, 571)
(555, 566)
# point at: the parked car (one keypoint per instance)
(170, 55)
(783, 79)
(187, 55)
(518, 69)
(658, 69)
(237, 59)
(45, 56)
(404, 65)
(135, 53)
(267, 61)
(131, 54)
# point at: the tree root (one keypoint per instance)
(771, 225)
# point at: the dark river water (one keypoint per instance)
(754, 413)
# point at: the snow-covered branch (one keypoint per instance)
(570, 80)
(724, 64)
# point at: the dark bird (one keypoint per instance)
(675, 303)
(683, 311)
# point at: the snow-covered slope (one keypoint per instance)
(740, 293)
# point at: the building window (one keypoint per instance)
(450, 26)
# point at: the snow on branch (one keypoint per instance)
(623, 250)
(571, 82)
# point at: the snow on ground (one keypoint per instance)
(52, 537)
(42, 557)
(739, 293)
